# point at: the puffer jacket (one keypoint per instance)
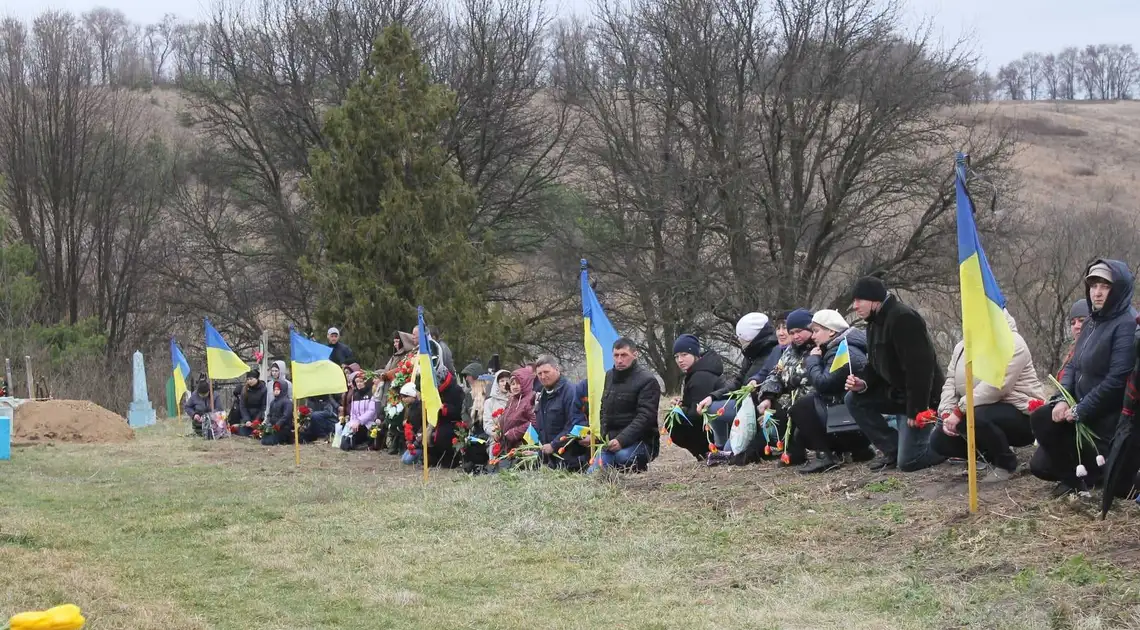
(1021, 383)
(362, 407)
(760, 356)
(789, 380)
(832, 386)
(519, 413)
(1105, 351)
(631, 399)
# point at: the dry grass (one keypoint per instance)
(170, 532)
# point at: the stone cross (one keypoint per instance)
(141, 413)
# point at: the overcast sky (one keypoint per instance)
(1001, 29)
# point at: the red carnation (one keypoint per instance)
(923, 419)
(461, 425)
(305, 410)
(1035, 404)
(408, 434)
(454, 441)
(255, 424)
(497, 413)
(496, 448)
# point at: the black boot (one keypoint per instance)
(824, 461)
(883, 462)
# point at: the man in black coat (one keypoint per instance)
(703, 375)
(341, 353)
(902, 376)
(630, 402)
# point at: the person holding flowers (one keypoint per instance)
(1001, 415)
(1095, 379)
(251, 405)
(703, 374)
(494, 407)
(279, 419)
(786, 385)
(361, 413)
(518, 416)
(901, 377)
(556, 414)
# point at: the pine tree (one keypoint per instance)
(393, 215)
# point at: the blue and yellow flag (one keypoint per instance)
(842, 356)
(988, 338)
(221, 362)
(313, 373)
(531, 436)
(429, 391)
(181, 371)
(599, 340)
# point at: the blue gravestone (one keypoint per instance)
(141, 413)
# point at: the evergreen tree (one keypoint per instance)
(393, 214)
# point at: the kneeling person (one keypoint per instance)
(630, 402)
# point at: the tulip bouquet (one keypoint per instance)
(579, 432)
(525, 456)
(1085, 436)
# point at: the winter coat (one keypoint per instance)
(252, 405)
(630, 402)
(286, 385)
(341, 354)
(901, 357)
(362, 407)
(497, 401)
(1021, 383)
(281, 413)
(832, 386)
(407, 345)
(519, 413)
(441, 449)
(789, 380)
(346, 397)
(1105, 352)
(705, 376)
(198, 405)
(474, 397)
(557, 412)
(760, 356)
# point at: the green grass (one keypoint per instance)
(171, 532)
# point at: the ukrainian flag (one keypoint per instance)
(985, 331)
(531, 436)
(842, 356)
(221, 362)
(313, 373)
(181, 371)
(599, 340)
(429, 391)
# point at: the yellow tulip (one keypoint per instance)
(65, 617)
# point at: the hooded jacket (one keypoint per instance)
(760, 356)
(630, 402)
(407, 344)
(704, 377)
(283, 378)
(495, 404)
(519, 413)
(832, 386)
(1021, 383)
(281, 412)
(362, 406)
(901, 357)
(346, 397)
(252, 403)
(1105, 351)
(475, 396)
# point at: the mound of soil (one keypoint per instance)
(68, 421)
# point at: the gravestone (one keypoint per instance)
(141, 413)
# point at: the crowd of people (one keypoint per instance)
(815, 392)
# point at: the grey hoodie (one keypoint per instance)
(283, 378)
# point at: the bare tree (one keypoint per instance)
(1050, 75)
(158, 44)
(1032, 64)
(106, 28)
(1012, 79)
(1068, 67)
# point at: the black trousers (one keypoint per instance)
(809, 425)
(1056, 456)
(997, 427)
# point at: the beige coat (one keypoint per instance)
(1021, 382)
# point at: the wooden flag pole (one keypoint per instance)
(971, 451)
(426, 437)
(296, 435)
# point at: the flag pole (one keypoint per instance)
(296, 435)
(424, 422)
(971, 452)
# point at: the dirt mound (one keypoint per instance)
(68, 421)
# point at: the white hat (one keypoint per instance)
(830, 320)
(1100, 270)
(334, 331)
(750, 325)
(409, 390)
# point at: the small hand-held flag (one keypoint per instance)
(599, 341)
(531, 436)
(221, 362)
(842, 356)
(181, 370)
(986, 334)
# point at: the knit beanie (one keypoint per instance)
(870, 288)
(799, 319)
(750, 326)
(687, 343)
(1080, 308)
(830, 320)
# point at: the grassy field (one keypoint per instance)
(171, 532)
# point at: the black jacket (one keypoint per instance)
(281, 413)
(252, 404)
(1105, 352)
(832, 386)
(760, 357)
(341, 354)
(702, 379)
(630, 402)
(901, 357)
(199, 405)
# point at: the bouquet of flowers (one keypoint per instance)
(460, 441)
(403, 374)
(304, 417)
(260, 429)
